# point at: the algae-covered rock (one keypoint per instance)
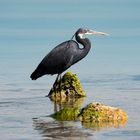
(97, 112)
(68, 86)
(67, 114)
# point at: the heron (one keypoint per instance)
(65, 54)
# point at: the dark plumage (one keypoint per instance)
(65, 54)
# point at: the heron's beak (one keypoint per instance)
(96, 33)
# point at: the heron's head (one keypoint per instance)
(84, 31)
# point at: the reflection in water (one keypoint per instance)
(61, 129)
(70, 102)
(98, 126)
(57, 130)
(64, 125)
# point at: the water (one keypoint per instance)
(110, 73)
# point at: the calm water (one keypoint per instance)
(110, 74)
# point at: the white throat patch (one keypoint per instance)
(81, 35)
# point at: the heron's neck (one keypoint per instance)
(81, 52)
(86, 45)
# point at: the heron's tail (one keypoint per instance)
(36, 74)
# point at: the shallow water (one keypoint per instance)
(25, 111)
(110, 74)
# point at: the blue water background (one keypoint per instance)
(110, 73)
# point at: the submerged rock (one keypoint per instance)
(68, 86)
(100, 113)
(67, 114)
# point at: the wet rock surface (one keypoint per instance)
(68, 86)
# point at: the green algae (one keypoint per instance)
(67, 114)
(100, 113)
(90, 113)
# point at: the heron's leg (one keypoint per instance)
(55, 85)
(60, 86)
(56, 80)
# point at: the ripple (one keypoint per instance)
(125, 132)
(59, 130)
(5, 104)
(136, 77)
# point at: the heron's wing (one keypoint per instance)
(59, 59)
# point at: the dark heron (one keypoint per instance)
(65, 54)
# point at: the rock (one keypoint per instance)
(69, 86)
(100, 113)
(94, 115)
